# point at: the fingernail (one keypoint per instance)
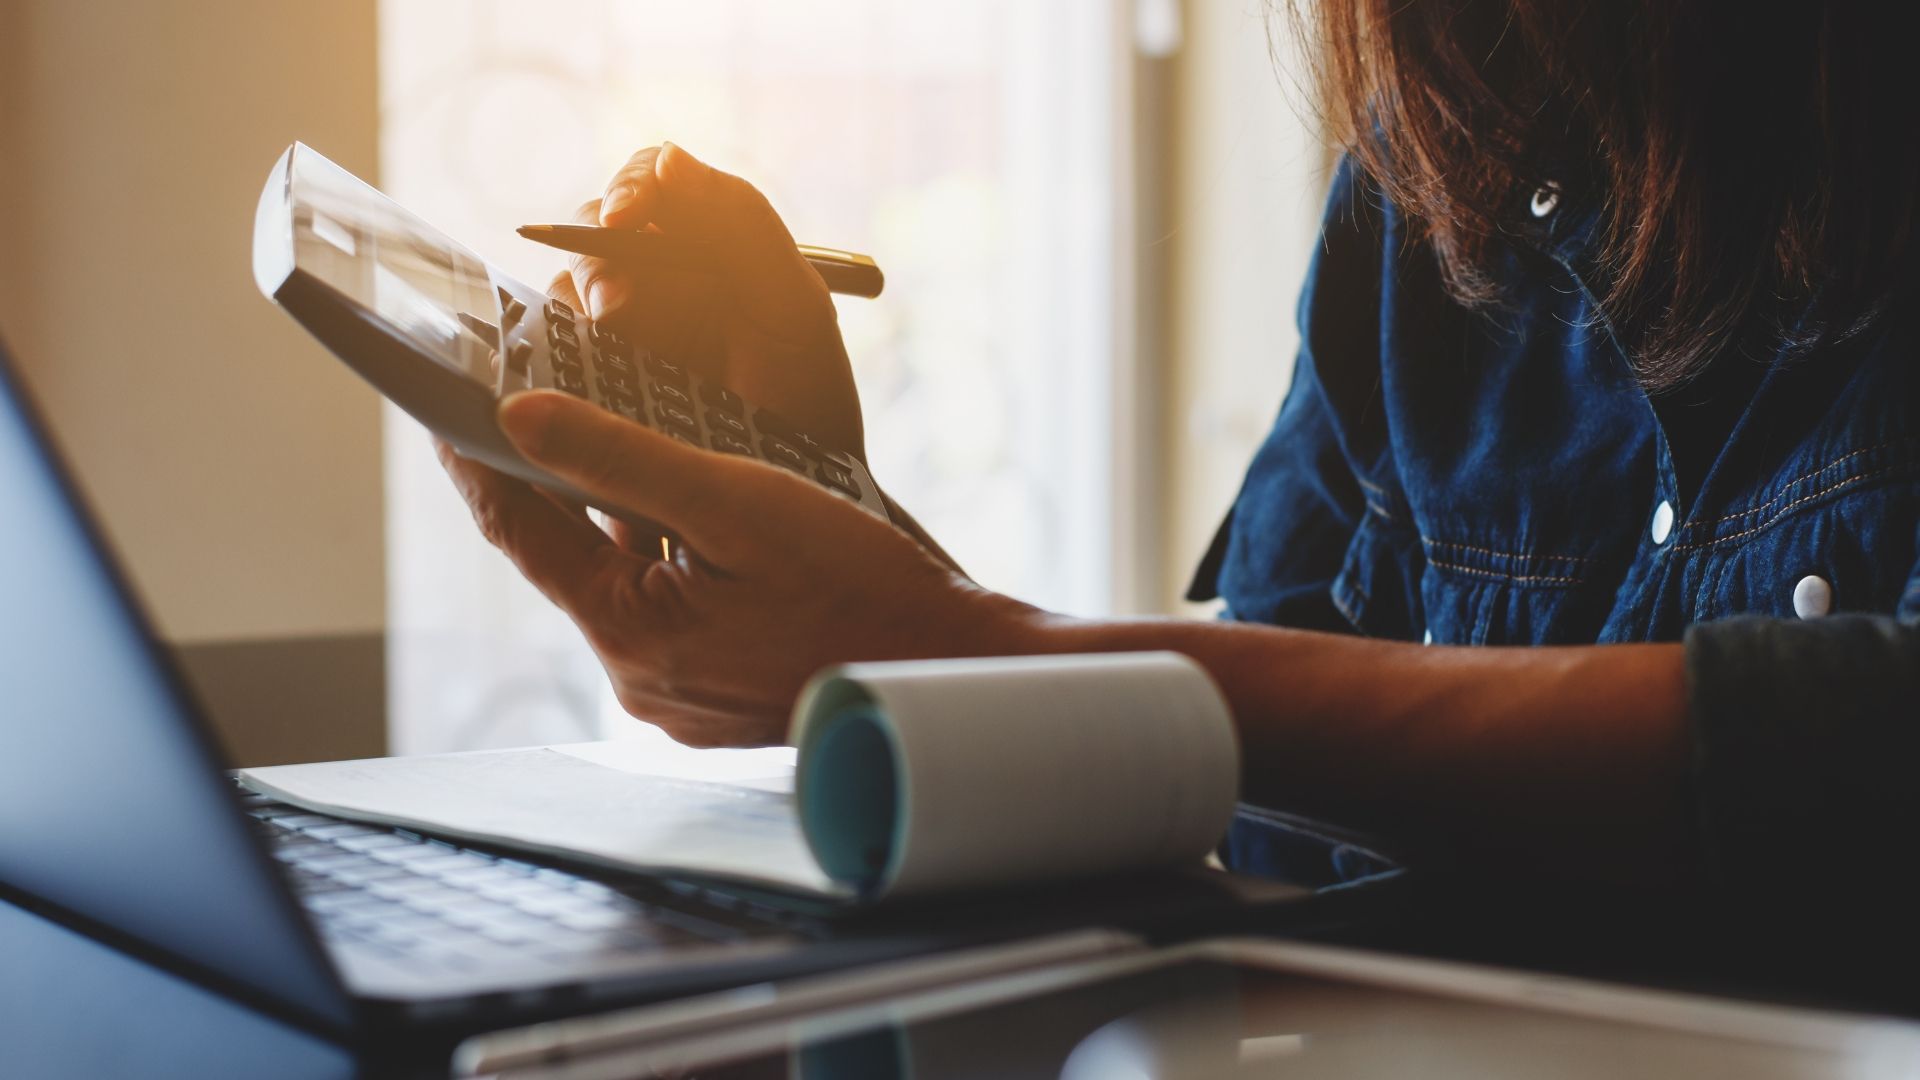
(603, 297)
(616, 200)
(525, 417)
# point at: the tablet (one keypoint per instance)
(1255, 1008)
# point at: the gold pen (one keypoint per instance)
(844, 271)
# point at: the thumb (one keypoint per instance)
(619, 464)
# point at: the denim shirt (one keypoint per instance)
(1500, 478)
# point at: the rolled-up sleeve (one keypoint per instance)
(1807, 753)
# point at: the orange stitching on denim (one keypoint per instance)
(1502, 554)
(1333, 594)
(1791, 484)
(1518, 579)
(1785, 510)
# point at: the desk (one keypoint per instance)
(72, 1007)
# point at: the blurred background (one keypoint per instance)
(1094, 216)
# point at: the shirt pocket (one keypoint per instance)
(1492, 593)
(1854, 554)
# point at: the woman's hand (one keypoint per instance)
(776, 578)
(765, 325)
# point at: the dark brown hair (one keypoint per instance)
(1755, 165)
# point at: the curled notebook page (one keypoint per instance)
(944, 775)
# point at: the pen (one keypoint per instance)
(843, 271)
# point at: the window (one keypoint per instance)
(971, 147)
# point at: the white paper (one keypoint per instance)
(559, 803)
(652, 753)
(1050, 767)
(1009, 771)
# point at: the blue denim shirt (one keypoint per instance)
(1496, 478)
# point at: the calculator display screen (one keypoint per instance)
(422, 285)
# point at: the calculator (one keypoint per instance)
(444, 335)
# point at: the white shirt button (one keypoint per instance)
(1812, 597)
(1546, 199)
(1662, 522)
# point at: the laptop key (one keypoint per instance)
(302, 821)
(594, 919)
(433, 901)
(334, 830)
(443, 863)
(347, 901)
(406, 853)
(361, 876)
(371, 841)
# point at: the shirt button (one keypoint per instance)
(1812, 597)
(1427, 639)
(1662, 522)
(1546, 199)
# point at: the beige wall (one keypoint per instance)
(237, 466)
(1243, 211)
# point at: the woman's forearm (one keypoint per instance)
(1571, 756)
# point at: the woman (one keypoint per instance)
(1607, 347)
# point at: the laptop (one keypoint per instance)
(118, 816)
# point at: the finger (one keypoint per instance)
(664, 307)
(559, 554)
(633, 195)
(594, 280)
(616, 462)
(561, 289)
(700, 201)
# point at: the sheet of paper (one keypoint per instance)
(563, 802)
(650, 752)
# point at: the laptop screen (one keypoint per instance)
(112, 803)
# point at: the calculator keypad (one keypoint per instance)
(631, 381)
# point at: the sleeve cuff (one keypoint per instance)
(1804, 739)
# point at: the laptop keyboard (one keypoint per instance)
(431, 902)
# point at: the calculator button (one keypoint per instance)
(613, 382)
(783, 455)
(732, 425)
(622, 402)
(772, 423)
(667, 371)
(559, 312)
(674, 417)
(727, 444)
(571, 382)
(519, 358)
(481, 329)
(609, 389)
(510, 310)
(839, 477)
(562, 331)
(673, 395)
(608, 340)
(808, 445)
(607, 361)
(565, 356)
(723, 399)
